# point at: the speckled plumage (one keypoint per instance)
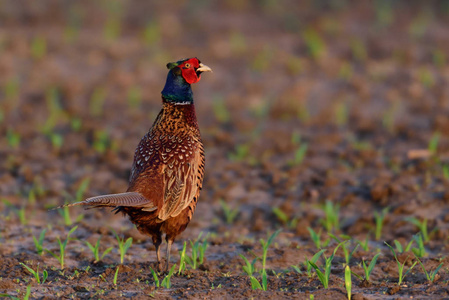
(168, 169)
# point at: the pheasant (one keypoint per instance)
(168, 168)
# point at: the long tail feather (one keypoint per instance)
(129, 199)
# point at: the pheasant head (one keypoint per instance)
(180, 76)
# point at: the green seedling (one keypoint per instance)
(255, 284)
(25, 297)
(324, 275)
(341, 113)
(221, 112)
(401, 266)
(348, 255)
(134, 97)
(79, 196)
(62, 246)
(265, 245)
(313, 260)
(96, 250)
(420, 251)
(97, 101)
(115, 275)
(76, 124)
(422, 226)
(379, 219)
(284, 218)
(365, 243)
(300, 154)
(426, 77)
(433, 143)
(237, 42)
(316, 238)
(11, 89)
(19, 212)
(38, 47)
(439, 58)
(229, 213)
(241, 152)
(358, 49)
(314, 43)
(331, 220)
(249, 267)
(198, 250)
(36, 273)
(38, 243)
(446, 172)
(123, 246)
(182, 259)
(262, 59)
(151, 34)
(368, 270)
(348, 281)
(166, 283)
(13, 138)
(384, 13)
(430, 276)
(399, 247)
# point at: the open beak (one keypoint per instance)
(203, 68)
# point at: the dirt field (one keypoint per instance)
(328, 120)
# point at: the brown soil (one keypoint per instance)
(364, 84)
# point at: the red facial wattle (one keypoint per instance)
(188, 70)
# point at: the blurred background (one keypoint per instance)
(309, 101)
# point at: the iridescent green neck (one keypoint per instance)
(177, 90)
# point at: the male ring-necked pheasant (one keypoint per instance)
(168, 169)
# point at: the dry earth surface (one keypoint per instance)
(319, 114)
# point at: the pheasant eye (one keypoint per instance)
(187, 65)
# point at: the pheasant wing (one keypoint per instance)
(180, 186)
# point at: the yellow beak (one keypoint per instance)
(203, 68)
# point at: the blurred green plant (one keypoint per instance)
(384, 12)
(426, 77)
(358, 49)
(262, 59)
(38, 243)
(134, 97)
(341, 113)
(422, 226)
(123, 246)
(249, 267)
(11, 88)
(96, 250)
(152, 33)
(433, 143)
(439, 58)
(36, 273)
(429, 276)
(13, 138)
(283, 217)
(79, 195)
(96, 102)
(38, 47)
(379, 221)
(324, 274)
(62, 247)
(237, 42)
(198, 251)
(240, 153)
(348, 282)
(229, 213)
(220, 110)
(401, 274)
(331, 216)
(316, 238)
(314, 43)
